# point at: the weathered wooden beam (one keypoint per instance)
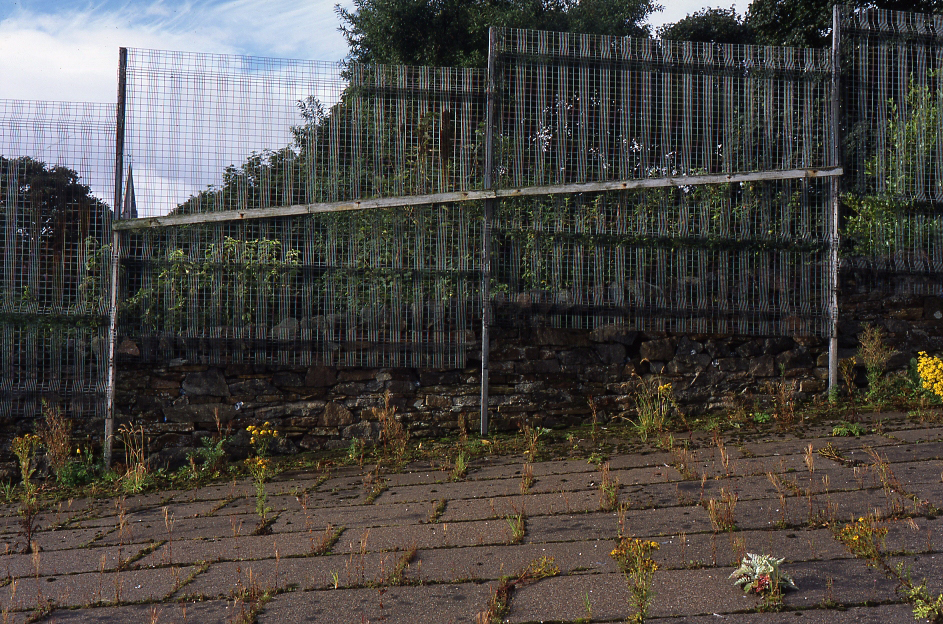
(463, 196)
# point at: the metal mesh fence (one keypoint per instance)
(212, 132)
(56, 169)
(579, 108)
(893, 99)
(371, 288)
(746, 259)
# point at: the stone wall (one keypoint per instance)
(540, 374)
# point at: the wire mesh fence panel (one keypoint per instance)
(372, 288)
(746, 259)
(893, 100)
(214, 132)
(575, 108)
(56, 173)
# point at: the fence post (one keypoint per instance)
(486, 229)
(115, 256)
(835, 188)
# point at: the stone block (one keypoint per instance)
(336, 415)
(933, 308)
(128, 347)
(561, 337)
(688, 364)
(364, 430)
(206, 383)
(288, 380)
(686, 346)
(159, 383)
(401, 387)
(439, 402)
(252, 387)
(356, 374)
(811, 386)
(794, 358)
(611, 353)
(763, 366)
(321, 376)
(614, 333)
(205, 413)
(749, 349)
(661, 350)
(730, 365)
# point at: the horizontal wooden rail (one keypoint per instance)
(462, 196)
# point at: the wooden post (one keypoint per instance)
(486, 229)
(835, 190)
(115, 256)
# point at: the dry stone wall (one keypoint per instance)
(539, 374)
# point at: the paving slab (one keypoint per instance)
(163, 613)
(431, 604)
(78, 590)
(439, 535)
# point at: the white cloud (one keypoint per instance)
(73, 55)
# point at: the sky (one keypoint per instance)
(67, 50)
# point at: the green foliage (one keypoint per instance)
(254, 273)
(882, 225)
(455, 32)
(761, 574)
(55, 216)
(211, 454)
(848, 429)
(710, 25)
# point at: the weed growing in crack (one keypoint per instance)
(395, 435)
(397, 575)
(260, 469)
(595, 414)
(56, 434)
(724, 454)
(783, 393)
(459, 467)
(212, 452)
(874, 353)
(517, 525)
(654, 404)
(865, 540)
(780, 487)
(527, 477)
(135, 458)
(25, 447)
(848, 429)
(633, 557)
(498, 604)
(437, 511)
(326, 540)
(809, 458)
(721, 511)
(250, 597)
(761, 575)
(608, 490)
(684, 462)
(532, 437)
(846, 368)
(375, 485)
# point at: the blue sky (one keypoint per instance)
(68, 49)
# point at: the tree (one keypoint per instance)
(808, 23)
(710, 25)
(58, 228)
(455, 32)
